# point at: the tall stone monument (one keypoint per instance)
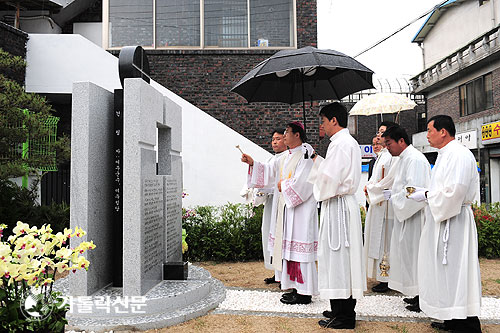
(126, 181)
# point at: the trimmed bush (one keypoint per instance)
(19, 204)
(226, 233)
(488, 229)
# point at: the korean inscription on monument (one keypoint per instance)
(152, 200)
(173, 220)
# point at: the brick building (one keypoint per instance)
(204, 71)
(461, 51)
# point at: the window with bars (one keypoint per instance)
(476, 95)
(226, 23)
(201, 23)
(177, 23)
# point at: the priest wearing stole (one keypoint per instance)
(341, 272)
(448, 266)
(379, 218)
(293, 236)
(413, 170)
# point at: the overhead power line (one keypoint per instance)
(402, 28)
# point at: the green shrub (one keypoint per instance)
(19, 204)
(488, 229)
(226, 233)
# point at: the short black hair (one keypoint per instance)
(336, 110)
(443, 121)
(277, 130)
(396, 133)
(388, 124)
(298, 129)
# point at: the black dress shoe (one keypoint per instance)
(328, 314)
(270, 280)
(338, 324)
(411, 300)
(382, 287)
(414, 307)
(440, 326)
(290, 294)
(296, 299)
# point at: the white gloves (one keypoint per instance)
(247, 194)
(419, 194)
(387, 195)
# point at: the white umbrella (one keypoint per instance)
(382, 103)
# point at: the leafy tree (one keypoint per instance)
(23, 117)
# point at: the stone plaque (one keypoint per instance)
(152, 223)
(173, 220)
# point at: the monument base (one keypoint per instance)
(168, 303)
(175, 271)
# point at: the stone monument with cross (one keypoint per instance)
(126, 182)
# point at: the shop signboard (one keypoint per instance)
(367, 151)
(468, 139)
(490, 133)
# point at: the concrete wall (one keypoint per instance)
(458, 26)
(90, 30)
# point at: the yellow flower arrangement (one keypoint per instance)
(30, 258)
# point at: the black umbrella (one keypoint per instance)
(292, 76)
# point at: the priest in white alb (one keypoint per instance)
(413, 170)
(264, 196)
(293, 236)
(379, 217)
(341, 272)
(448, 266)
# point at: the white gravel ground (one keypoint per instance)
(391, 307)
(385, 306)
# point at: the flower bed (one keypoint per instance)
(488, 229)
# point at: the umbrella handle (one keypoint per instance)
(303, 104)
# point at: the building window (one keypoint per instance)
(200, 23)
(226, 23)
(177, 23)
(130, 23)
(271, 21)
(476, 95)
(421, 121)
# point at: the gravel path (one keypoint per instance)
(387, 308)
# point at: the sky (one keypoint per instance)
(351, 26)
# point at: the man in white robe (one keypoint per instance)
(341, 273)
(414, 170)
(293, 236)
(379, 218)
(448, 266)
(264, 196)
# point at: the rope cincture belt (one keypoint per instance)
(446, 236)
(341, 222)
